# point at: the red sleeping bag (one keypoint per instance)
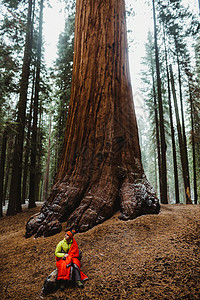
(65, 267)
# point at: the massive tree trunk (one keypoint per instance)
(100, 169)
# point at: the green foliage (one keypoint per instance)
(11, 52)
(13, 3)
(178, 23)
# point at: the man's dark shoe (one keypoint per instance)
(62, 286)
(79, 284)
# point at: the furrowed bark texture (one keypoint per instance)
(100, 169)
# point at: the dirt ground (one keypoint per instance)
(151, 257)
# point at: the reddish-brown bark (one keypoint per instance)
(100, 169)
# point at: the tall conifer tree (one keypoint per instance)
(15, 187)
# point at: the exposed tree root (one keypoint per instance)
(84, 210)
(137, 199)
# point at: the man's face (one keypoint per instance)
(68, 239)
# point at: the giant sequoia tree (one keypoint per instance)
(100, 169)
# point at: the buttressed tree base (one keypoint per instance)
(100, 170)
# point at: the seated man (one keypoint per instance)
(67, 261)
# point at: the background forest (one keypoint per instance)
(34, 101)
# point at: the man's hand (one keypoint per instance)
(64, 257)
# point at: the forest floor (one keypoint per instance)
(151, 257)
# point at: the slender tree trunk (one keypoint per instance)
(8, 166)
(15, 187)
(27, 150)
(162, 130)
(2, 168)
(193, 152)
(27, 146)
(157, 135)
(172, 128)
(32, 186)
(176, 181)
(183, 131)
(6, 182)
(155, 165)
(192, 93)
(39, 158)
(100, 169)
(181, 144)
(46, 177)
(193, 140)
